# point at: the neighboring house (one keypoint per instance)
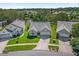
(14, 30)
(2, 23)
(63, 30)
(16, 27)
(5, 34)
(41, 29)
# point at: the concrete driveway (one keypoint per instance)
(42, 44)
(65, 47)
(3, 45)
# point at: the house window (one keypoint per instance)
(38, 33)
(32, 33)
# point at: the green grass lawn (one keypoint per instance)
(24, 38)
(19, 48)
(53, 39)
(0, 28)
(53, 48)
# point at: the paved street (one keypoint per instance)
(42, 44)
(36, 53)
(3, 45)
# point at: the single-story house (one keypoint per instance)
(14, 30)
(18, 23)
(63, 30)
(41, 29)
(16, 27)
(5, 34)
(2, 23)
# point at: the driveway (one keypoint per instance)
(42, 44)
(65, 47)
(3, 45)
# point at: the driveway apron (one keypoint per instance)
(65, 47)
(42, 44)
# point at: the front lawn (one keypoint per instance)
(24, 38)
(19, 48)
(53, 39)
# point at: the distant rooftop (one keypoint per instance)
(18, 23)
(11, 27)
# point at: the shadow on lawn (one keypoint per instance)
(31, 37)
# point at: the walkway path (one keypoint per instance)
(3, 45)
(42, 44)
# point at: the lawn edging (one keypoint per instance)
(53, 47)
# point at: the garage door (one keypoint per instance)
(45, 36)
(63, 39)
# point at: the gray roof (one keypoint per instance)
(38, 26)
(65, 25)
(18, 23)
(12, 28)
(4, 32)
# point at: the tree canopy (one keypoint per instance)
(41, 14)
(75, 30)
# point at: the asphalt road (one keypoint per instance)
(36, 53)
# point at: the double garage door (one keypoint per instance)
(45, 36)
(64, 39)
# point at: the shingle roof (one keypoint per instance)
(18, 23)
(11, 27)
(5, 32)
(38, 26)
(65, 25)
